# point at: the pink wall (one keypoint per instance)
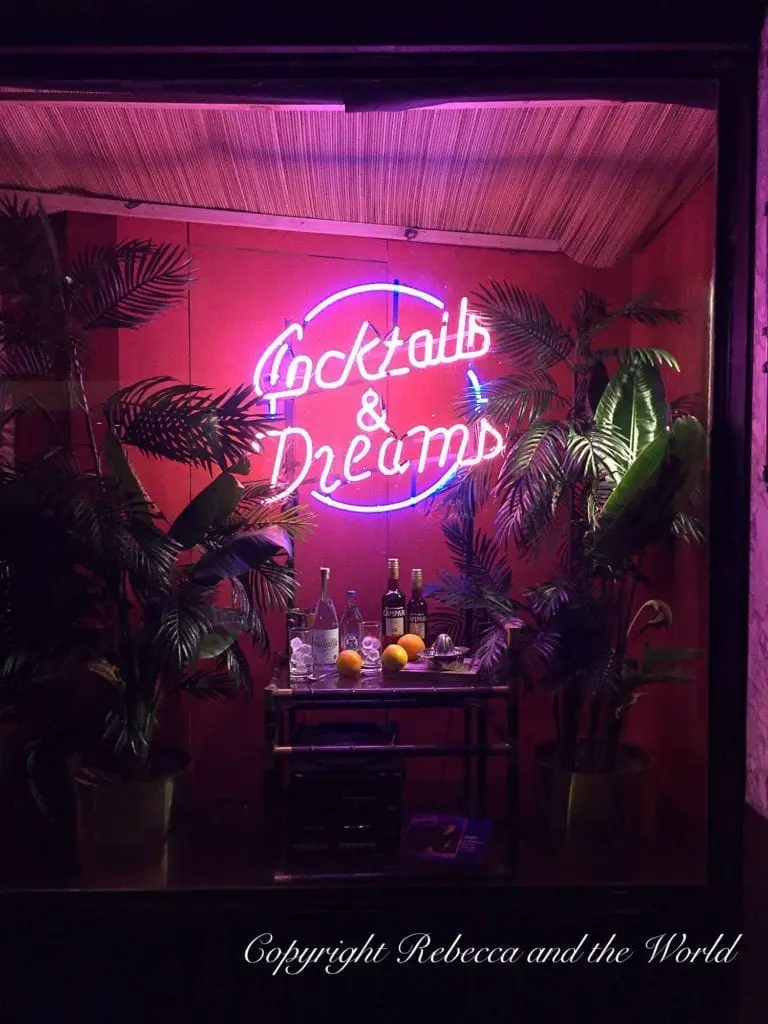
(757, 694)
(676, 268)
(250, 283)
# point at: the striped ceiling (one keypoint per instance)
(598, 178)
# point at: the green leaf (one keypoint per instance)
(634, 403)
(215, 643)
(106, 670)
(242, 554)
(129, 484)
(213, 504)
(644, 504)
(644, 356)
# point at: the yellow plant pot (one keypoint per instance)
(128, 820)
(582, 806)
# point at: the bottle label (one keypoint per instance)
(417, 624)
(394, 622)
(325, 646)
(351, 642)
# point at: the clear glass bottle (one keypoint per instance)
(351, 624)
(392, 606)
(416, 612)
(325, 625)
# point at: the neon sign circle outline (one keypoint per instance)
(474, 382)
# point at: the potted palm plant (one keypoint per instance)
(137, 606)
(597, 477)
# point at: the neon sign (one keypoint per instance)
(282, 374)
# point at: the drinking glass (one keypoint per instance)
(300, 652)
(371, 647)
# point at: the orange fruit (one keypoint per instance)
(394, 657)
(412, 644)
(349, 663)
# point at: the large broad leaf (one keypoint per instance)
(215, 643)
(213, 504)
(634, 403)
(129, 484)
(653, 491)
(242, 554)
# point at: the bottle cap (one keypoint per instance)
(351, 593)
(394, 566)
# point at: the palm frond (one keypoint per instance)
(210, 684)
(531, 482)
(688, 405)
(688, 528)
(591, 314)
(29, 267)
(446, 620)
(477, 557)
(469, 490)
(646, 356)
(522, 327)
(128, 285)
(491, 650)
(234, 662)
(547, 599)
(149, 557)
(185, 423)
(296, 520)
(185, 618)
(514, 400)
(602, 449)
(589, 311)
(271, 586)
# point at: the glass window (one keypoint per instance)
(465, 564)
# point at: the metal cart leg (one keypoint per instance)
(513, 796)
(482, 757)
(468, 759)
(272, 778)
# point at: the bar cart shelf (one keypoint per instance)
(415, 687)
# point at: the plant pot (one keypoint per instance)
(129, 820)
(615, 806)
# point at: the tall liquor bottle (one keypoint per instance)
(325, 625)
(392, 606)
(351, 624)
(416, 612)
